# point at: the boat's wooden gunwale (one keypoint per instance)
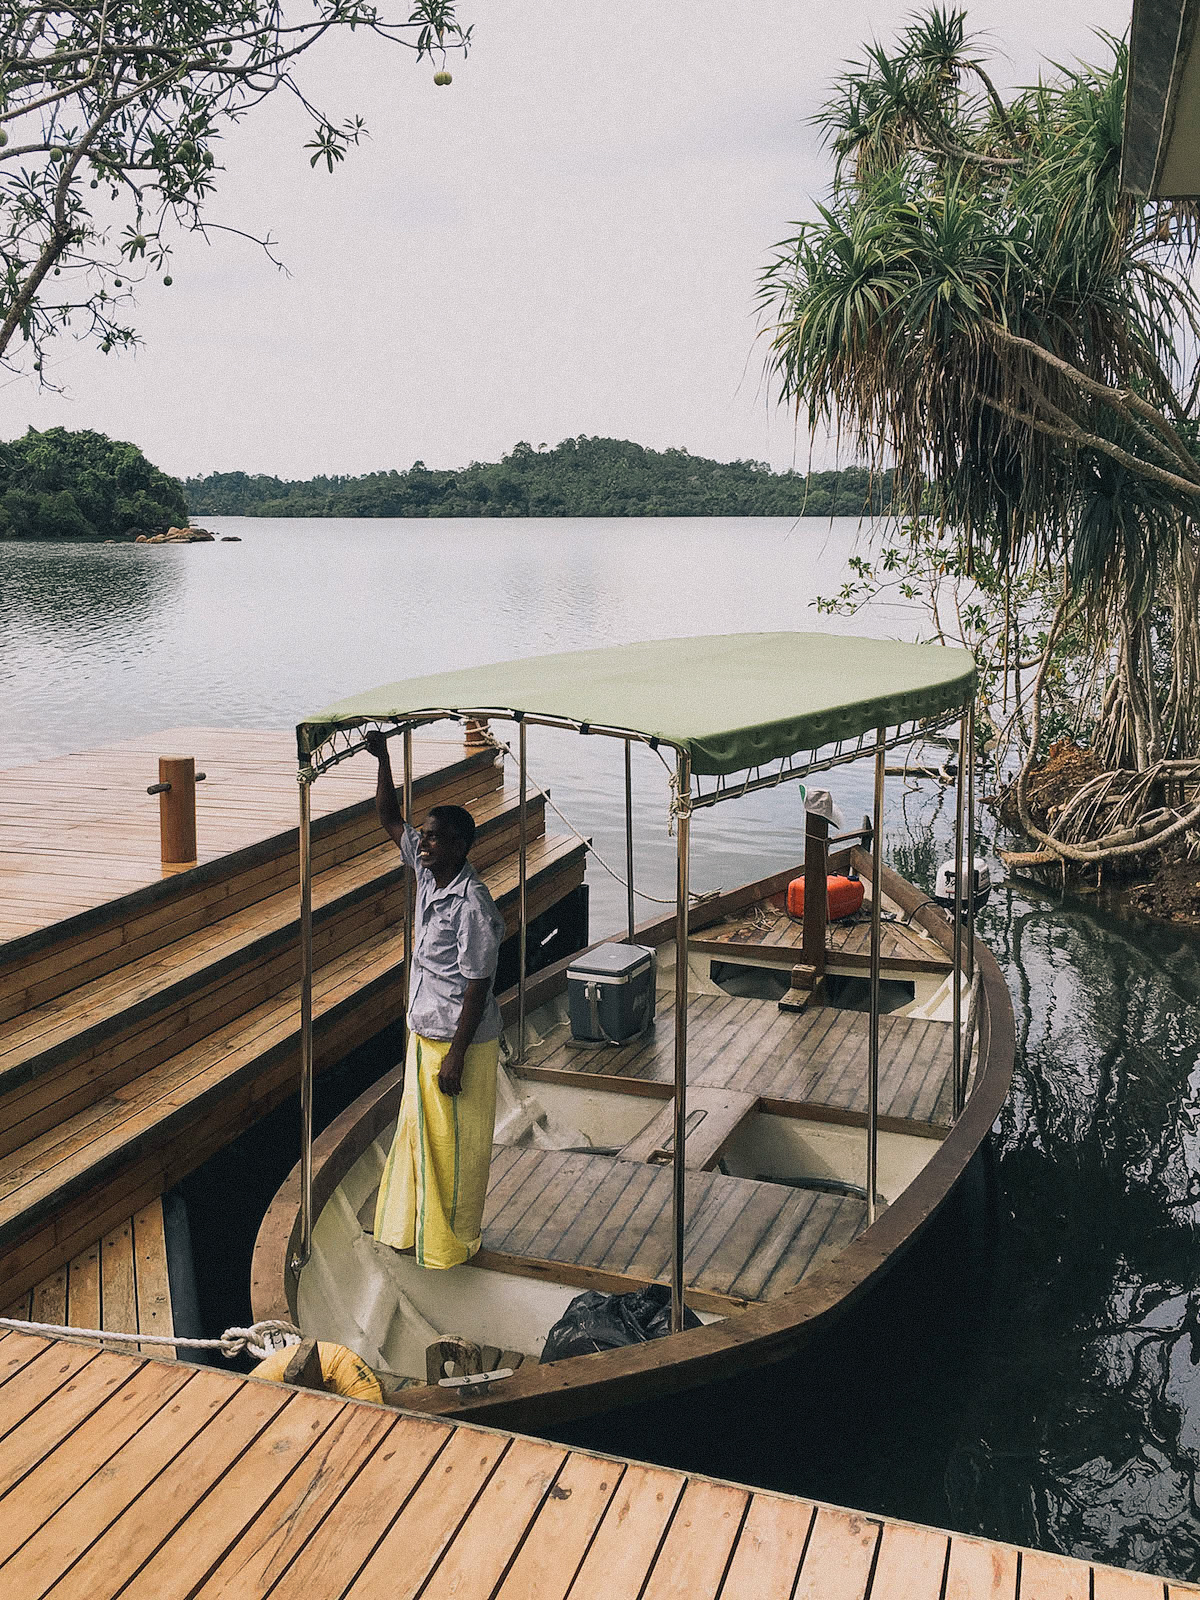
(766, 1332)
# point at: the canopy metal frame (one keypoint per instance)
(689, 795)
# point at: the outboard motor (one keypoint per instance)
(944, 890)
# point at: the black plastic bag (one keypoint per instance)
(595, 1321)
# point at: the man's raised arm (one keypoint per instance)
(387, 801)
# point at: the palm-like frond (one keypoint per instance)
(981, 306)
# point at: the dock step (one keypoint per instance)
(87, 869)
(76, 1048)
(80, 1175)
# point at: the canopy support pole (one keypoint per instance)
(409, 931)
(522, 885)
(970, 849)
(629, 914)
(301, 1258)
(683, 795)
(960, 796)
(876, 941)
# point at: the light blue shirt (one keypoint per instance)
(457, 934)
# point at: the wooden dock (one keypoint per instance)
(148, 1015)
(120, 1283)
(163, 1481)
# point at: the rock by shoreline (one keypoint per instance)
(178, 536)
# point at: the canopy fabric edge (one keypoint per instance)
(695, 695)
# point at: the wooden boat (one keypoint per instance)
(816, 1138)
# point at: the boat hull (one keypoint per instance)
(751, 1335)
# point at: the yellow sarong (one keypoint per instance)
(434, 1183)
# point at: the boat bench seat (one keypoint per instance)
(713, 1117)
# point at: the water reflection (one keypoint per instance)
(85, 592)
(1087, 1436)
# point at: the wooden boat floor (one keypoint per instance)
(745, 1239)
(816, 1057)
(767, 926)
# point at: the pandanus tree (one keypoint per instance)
(979, 306)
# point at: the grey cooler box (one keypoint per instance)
(610, 993)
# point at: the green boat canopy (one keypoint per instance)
(731, 702)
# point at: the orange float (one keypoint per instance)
(844, 897)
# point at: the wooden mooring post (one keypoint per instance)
(809, 974)
(176, 791)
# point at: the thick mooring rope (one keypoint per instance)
(231, 1343)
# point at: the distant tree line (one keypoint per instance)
(62, 484)
(583, 477)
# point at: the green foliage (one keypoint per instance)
(1004, 621)
(111, 117)
(60, 484)
(583, 477)
(980, 305)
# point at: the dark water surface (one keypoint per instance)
(1029, 1370)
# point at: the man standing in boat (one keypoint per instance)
(434, 1184)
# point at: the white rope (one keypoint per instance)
(231, 1343)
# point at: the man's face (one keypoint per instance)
(440, 849)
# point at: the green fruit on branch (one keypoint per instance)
(442, 79)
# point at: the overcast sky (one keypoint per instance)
(564, 241)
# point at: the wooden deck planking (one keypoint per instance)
(80, 830)
(771, 928)
(171, 1481)
(748, 1047)
(118, 1284)
(699, 1543)
(613, 1216)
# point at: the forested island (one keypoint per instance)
(76, 484)
(583, 477)
(64, 484)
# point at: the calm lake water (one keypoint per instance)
(1032, 1378)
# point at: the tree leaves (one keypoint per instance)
(110, 122)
